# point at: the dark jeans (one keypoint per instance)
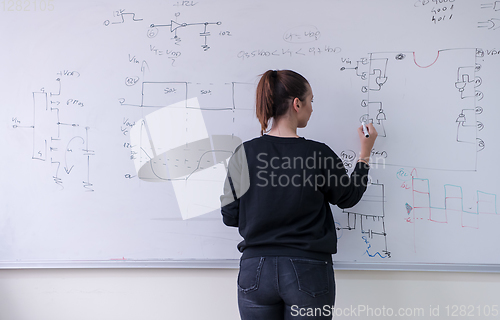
(274, 288)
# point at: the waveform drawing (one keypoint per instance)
(486, 203)
(162, 94)
(423, 209)
(215, 97)
(122, 14)
(172, 144)
(244, 95)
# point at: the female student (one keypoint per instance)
(277, 192)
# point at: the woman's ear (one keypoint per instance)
(296, 104)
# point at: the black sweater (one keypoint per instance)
(278, 190)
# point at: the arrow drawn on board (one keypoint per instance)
(70, 150)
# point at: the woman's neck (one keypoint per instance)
(281, 130)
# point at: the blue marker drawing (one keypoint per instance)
(340, 230)
(408, 208)
(387, 254)
(368, 216)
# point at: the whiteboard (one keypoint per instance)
(118, 119)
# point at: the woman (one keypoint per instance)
(277, 193)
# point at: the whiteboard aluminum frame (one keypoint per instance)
(234, 264)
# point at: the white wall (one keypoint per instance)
(153, 294)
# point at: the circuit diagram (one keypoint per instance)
(175, 26)
(398, 86)
(61, 143)
(493, 22)
(368, 218)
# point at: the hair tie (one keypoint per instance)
(274, 74)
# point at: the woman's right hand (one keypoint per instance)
(367, 143)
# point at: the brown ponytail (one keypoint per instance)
(275, 91)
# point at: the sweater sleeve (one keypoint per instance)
(236, 184)
(341, 189)
(230, 205)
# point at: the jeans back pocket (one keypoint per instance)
(312, 276)
(249, 274)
